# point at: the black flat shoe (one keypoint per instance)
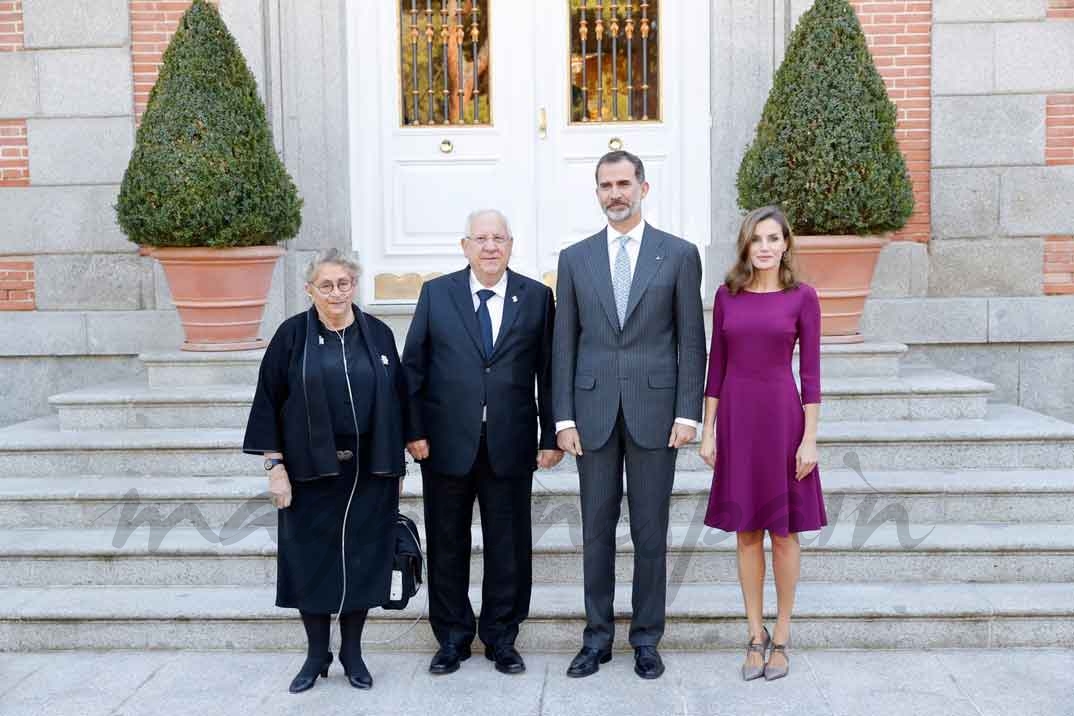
(307, 675)
(447, 659)
(357, 673)
(506, 658)
(647, 662)
(588, 662)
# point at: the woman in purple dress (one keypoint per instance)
(760, 435)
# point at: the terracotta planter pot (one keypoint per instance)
(841, 269)
(220, 294)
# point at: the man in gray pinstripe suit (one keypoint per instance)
(628, 368)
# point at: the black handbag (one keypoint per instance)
(406, 564)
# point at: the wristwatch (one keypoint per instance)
(272, 462)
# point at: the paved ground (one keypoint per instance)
(873, 683)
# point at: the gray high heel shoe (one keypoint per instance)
(750, 672)
(771, 672)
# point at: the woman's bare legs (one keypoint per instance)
(751, 579)
(786, 565)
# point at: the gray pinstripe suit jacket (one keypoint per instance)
(654, 366)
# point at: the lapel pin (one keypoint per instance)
(384, 359)
(659, 257)
(514, 299)
(320, 340)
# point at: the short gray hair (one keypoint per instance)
(335, 257)
(478, 213)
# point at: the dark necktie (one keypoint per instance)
(485, 320)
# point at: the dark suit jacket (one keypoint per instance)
(654, 366)
(449, 378)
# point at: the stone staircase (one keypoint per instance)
(131, 520)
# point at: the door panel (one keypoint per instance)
(545, 116)
(409, 211)
(567, 155)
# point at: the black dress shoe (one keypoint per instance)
(647, 662)
(357, 673)
(507, 658)
(588, 662)
(447, 659)
(307, 675)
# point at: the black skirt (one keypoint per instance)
(310, 574)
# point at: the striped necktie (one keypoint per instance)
(621, 279)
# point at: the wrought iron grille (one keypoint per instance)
(615, 60)
(445, 62)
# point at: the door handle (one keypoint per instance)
(615, 144)
(542, 123)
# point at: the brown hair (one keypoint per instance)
(621, 155)
(741, 274)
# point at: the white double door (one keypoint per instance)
(412, 185)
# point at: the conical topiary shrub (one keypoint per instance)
(825, 147)
(204, 171)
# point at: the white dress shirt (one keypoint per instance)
(495, 306)
(633, 248)
(495, 303)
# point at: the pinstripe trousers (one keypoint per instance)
(650, 475)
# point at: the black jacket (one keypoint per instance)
(290, 413)
(448, 377)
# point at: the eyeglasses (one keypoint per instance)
(495, 238)
(344, 286)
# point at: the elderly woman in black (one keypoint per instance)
(327, 416)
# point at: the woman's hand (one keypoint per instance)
(279, 487)
(805, 459)
(708, 447)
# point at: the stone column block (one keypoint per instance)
(965, 202)
(987, 131)
(86, 82)
(986, 267)
(89, 282)
(80, 151)
(18, 85)
(1037, 201)
(50, 24)
(988, 10)
(1035, 57)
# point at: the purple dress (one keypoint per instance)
(760, 419)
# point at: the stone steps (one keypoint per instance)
(849, 552)
(170, 368)
(702, 616)
(1007, 437)
(187, 368)
(916, 394)
(925, 496)
(134, 405)
(132, 520)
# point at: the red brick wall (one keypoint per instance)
(1059, 265)
(11, 25)
(1059, 150)
(16, 284)
(14, 153)
(1059, 145)
(900, 39)
(16, 274)
(1061, 9)
(153, 22)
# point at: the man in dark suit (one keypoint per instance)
(628, 372)
(479, 340)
